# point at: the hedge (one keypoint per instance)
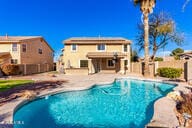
(170, 72)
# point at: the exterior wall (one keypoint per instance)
(72, 58)
(174, 64)
(7, 47)
(32, 56)
(189, 70)
(28, 69)
(137, 67)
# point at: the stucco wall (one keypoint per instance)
(32, 56)
(137, 67)
(73, 58)
(189, 70)
(27, 69)
(7, 47)
(174, 64)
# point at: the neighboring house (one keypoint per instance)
(186, 56)
(25, 50)
(102, 54)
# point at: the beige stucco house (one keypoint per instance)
(92, 55)
(25, 50)
(186, 55)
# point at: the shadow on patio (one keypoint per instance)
(36, 87)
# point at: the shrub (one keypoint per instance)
(10, 69)
(158, 59)
(169, 72)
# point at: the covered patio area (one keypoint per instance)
(107, 62)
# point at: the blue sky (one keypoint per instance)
(57, 20)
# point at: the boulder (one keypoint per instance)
(175, 95)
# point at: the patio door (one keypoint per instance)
(97, 65)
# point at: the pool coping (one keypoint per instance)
(157, 119)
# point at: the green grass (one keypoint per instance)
(8, 84)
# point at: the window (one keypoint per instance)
(83, 63)
(126, 62)
(110, 64)
(14, 47)
(13, 61)
(125, 48)
(101, 47)
(24, 47)
(40, 51)
(73, 47)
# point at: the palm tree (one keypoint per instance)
(146, 7)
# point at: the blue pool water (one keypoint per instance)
(126, 103)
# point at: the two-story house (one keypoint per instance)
(101, 54)
(25, 50)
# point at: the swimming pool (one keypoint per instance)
(127, 103)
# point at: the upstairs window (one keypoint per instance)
(40, 51)
(24, 47)
(83, 63)
(101, 47)
(73, 47)
(14, 47)
(125, 48)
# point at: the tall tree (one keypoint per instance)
(134, 56)
(146, 7)
(162, 31)
(176, 52)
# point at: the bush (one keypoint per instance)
(169, 72)
(158, 59)
(10, 69)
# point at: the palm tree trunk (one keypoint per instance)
(154, 51)
(146, 45)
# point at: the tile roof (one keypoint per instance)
(16, 38)
(186, 54)
(4, 53)
(105, 54)
(96, 40)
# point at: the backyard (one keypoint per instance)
(9, 84)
